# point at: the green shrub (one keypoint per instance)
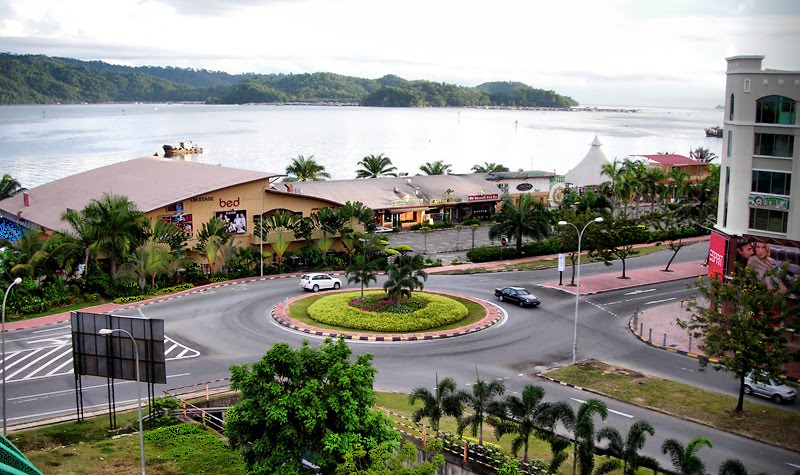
(492, 253)
(336, 310)
(131, 299)
(173, 289)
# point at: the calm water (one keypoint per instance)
(41, 143)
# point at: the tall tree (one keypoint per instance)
(685, 459)
(615, 171)
(280, 230)
(83, 234)
(211, 237)
(404, 278)
(530, 219)
(118, 227)
(618, 238)
(375, 166)
(489, 167)
(149, 260)
(627, 450)
(446, 400)
(306, 169)
(736, 467)
(584, 434)
(312, 403)
(9, 187)
(702, 154)
(483, 403)
(741, 323)
(31, 254)
(437, 167)
(362, 271)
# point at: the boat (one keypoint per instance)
(715, 131)
(183, 148)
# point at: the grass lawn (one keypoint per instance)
(760, 420)
(298, 310)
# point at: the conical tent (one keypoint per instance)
(588, 171)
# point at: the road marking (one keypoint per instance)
(640, 291)
(62, 391)
(239, 288)
(50, 329)
(660, 301)
(687, 369)
(33, 362)
(610, 410)
(792, 465)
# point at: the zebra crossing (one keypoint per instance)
(53, 357)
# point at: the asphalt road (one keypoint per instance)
(230, 325)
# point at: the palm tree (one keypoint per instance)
(404, 278)
(679, 180)
(330, 222)
(375, 166)
(615, 172)
(151, 259)
(436, 168)
(279, 226)
(702, 154)
(305, 169)
(446, 401)
(627, 451)
(583, 431)
(83, 235)
(362, 271)
(117, 225)
(685, 459)
(483, 403)
(212, 236)
(9, 187)
(528, 415)
(530, 218)
(736, 467)
(635, 174)
(489, 167)
(31, 250)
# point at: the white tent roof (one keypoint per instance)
(588, 171)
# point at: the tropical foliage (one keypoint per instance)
(489, 167)
(375, 166)
(305, 168)
(446, 400)
(437, 167)
(529, 218)
(483, 402)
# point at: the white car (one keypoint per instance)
(383, 229)
(319, 281)
(770, 387)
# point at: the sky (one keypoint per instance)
(599, 52)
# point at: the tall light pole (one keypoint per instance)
(109, 331)
(598, 219)
(261, 231)
(3, 333)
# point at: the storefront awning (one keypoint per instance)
(405, 210)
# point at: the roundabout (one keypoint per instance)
(444, 327)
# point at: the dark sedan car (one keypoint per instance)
(517, 295)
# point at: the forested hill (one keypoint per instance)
(36, 79)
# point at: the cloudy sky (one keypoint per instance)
(600, 52)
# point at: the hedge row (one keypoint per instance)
(336, 310)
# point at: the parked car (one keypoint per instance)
(517, 295)
(382, 229)
(771, 388)
(318, 281)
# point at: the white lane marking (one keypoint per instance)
(141, 312)
(57, 368)
(639, 291)
(175, 345)
(62, 391)
(687, 369)
(61, 340)
(610, 410)
(659, 301)
(42, 367)
(792, 465)
(21, 360)
(9, 376)
(51, 329)
(239, 288)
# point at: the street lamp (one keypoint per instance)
(109, 331)
(3, 333)
(598, 219)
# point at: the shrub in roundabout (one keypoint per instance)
(335, 310)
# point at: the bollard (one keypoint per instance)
(650, 336)
(665, 341)
(184, 411)
(424, 434)
(465, 451)
(641, 329)
(207, 398)
(690, 342)
(681, 303)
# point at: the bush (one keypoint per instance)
(173, 289)
(131, 299)
(471, 221)
(336, 310)
(492, 253)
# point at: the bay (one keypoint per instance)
(41, 143)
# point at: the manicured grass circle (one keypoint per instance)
(335, 310)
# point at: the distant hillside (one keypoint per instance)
(36, 79)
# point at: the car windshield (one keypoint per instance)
(523, 292)
(305, 277)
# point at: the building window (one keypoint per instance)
(774, 183)
(730, 143)
(727, 188)
(769, 220)
(746, 85)
(776, 110)
(774, 145)
(730, 117)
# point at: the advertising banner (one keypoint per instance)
(235, 220)
(717, 252)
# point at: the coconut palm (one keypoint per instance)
(31, 254)
(702, 154)
(280, 227)
(362, 271)
(489, 167)
(483, 403)
(9, 187)
(447, 400)
(685, 459)
(404, 278)
(736, 467)
(436, 168)
(117, 225)
(527, 416)
(530, 218)
(584, 434)
(375, 166)
(305, 169)
(627, 451)
(615, 171)
(83, 236)
(151, 259)
(212, 236)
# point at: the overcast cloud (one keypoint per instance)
(612, 52)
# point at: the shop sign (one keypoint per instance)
(438, 201)
(716, 255)
(763, 201)
(494, 196)
(407, 201)
(524, 187)
(201, 198)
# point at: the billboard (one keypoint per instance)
(235, 220)
(775, 261)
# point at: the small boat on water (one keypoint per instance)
(715, 131)
(183, 148)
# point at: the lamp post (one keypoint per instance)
(261, 231)
(598, 219)
(109, 331)
(3, 333)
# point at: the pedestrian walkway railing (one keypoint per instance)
(660, 339)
